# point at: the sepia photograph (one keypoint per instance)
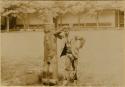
(62, 43)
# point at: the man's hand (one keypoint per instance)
(58, 32)
(72, 75)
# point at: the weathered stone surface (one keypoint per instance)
(50, 82)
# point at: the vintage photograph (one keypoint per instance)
(62, 43)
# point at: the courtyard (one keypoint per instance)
(101, 58)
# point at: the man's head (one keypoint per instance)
(80, 40)
(64, 32)
(66, 28)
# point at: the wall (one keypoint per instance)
(107, 17)
(69, 18)
(34, 19)
(104, 17)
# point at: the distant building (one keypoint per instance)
(104, 18)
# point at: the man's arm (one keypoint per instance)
(58, 33)
(75, 50)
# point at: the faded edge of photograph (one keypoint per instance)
(62, 43)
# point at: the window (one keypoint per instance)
(119, 18)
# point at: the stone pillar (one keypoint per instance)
(118, 20)
(124, 19)
(79, 17)
(8, 23)
(97, 19)
(50, 52)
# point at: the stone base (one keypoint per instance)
(50, 82)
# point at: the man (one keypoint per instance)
(71, 53)
(76, 44)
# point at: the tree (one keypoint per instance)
(16, 8)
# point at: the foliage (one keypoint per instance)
(48, 9)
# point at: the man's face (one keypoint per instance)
(66, 29)
(62, 35)
(80, 41)
(66, 34)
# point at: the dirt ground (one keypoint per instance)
(101, 59)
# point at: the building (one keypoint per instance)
(108, 18)
(105, 18)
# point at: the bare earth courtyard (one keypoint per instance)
(101, 59)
